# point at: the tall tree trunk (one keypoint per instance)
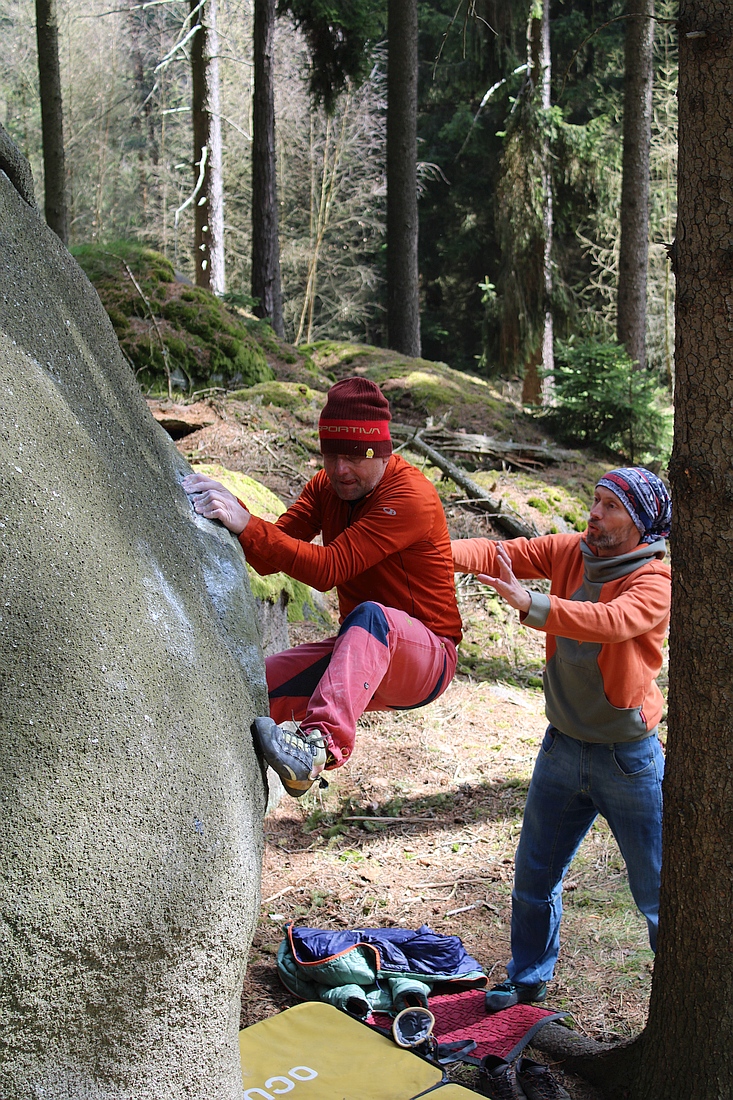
(52, 117)
(266, 286)
(634, 242)
(209, 201)
(688, 1043)
(143, 121)
(403, 299)
(536, 389)
(686, 1048)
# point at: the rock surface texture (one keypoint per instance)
(131, 799)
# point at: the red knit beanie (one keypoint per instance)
(355, 420)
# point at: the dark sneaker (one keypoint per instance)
(538, 1083)
(498, 1079)
(509, 993)
(298, 756)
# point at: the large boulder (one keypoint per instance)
(131, 799)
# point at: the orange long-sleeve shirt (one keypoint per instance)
(605, 620)
(392, 546)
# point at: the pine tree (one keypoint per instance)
(266, 284)
(52, 117)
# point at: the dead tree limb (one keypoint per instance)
(504, 515)
(485, 446)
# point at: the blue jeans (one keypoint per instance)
(573, 781)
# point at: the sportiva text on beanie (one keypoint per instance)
(355, 420)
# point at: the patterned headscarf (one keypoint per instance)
(644, 497)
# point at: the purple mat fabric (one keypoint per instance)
(464, 1016)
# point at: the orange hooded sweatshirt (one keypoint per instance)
(391, 547)
(605, 620)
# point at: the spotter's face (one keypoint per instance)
(611, 530)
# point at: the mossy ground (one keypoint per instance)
(169, 330)
(418, 388)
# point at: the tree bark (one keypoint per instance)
(634, 239)
(209, 201)
(266, 286)
(143, 121)
(536, 390)
(688, 1042)
(403, 298)
(52, 118)
(686, 1048)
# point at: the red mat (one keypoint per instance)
(464, 1016)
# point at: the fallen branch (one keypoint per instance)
(507, 519)
(474, 905)
(282, 463)
(480, 881)
(486, 446)
(280, 894)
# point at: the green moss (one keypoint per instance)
(258, 498)
(498, 668)
(540, 504)
(119, 321)
(104, 261)
(337, 352)
(418, 388)
(167, 326)
(292, 396)
(302, 604)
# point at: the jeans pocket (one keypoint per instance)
(634, 757)
(549, 740)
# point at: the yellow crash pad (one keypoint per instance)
(315, 1052)
(451, 1092)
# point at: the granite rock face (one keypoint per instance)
(131, 800)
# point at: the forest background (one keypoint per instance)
(126, 85)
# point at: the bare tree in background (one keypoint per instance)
(143, 120)
(535, 388)
(524, 215)
(52, 117)
(266, 285)
(634, 239)
(208, 185)
(403, 299)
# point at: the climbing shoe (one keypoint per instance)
(298, 756)
(510, 993)
(498, 1079)
(538, 1083)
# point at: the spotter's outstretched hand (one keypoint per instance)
(506, 584)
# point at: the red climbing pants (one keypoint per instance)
(382, 659)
